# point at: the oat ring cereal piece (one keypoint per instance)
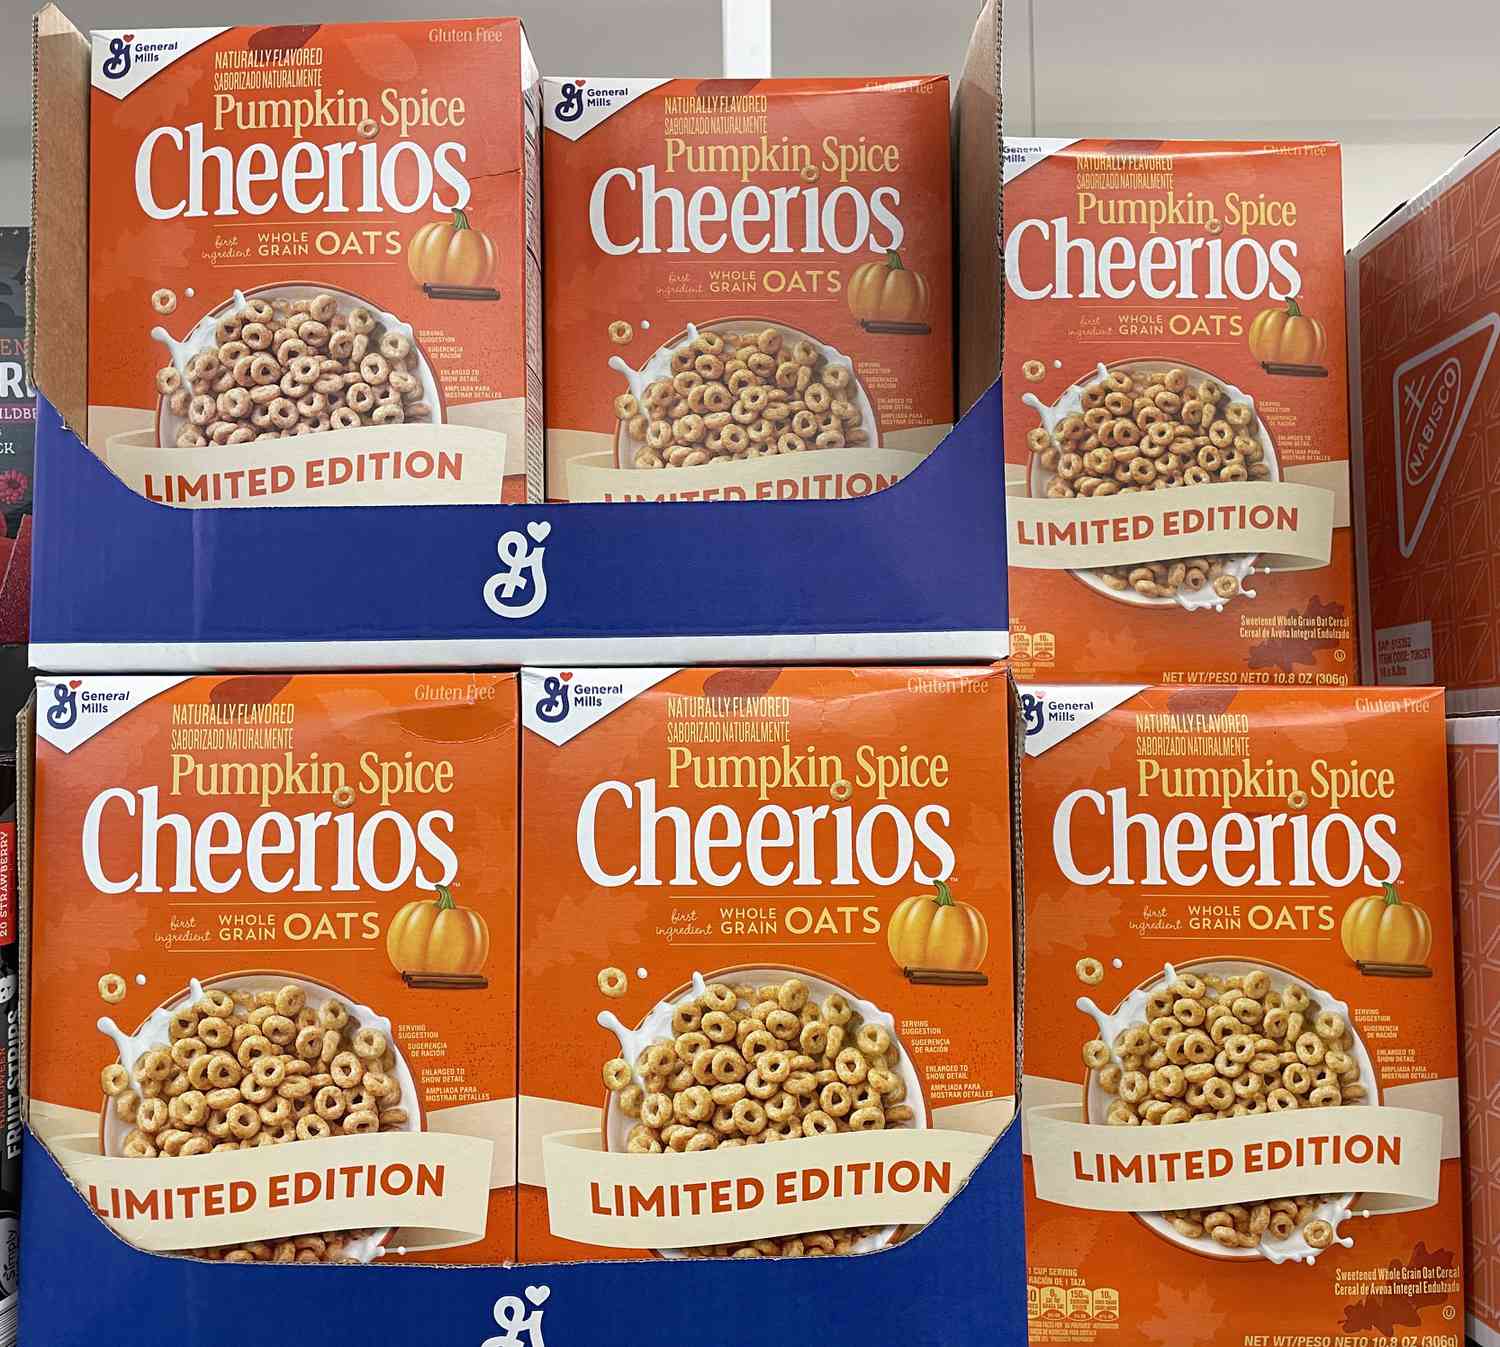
(164, 301)
(1089, 971)
(613, 982)
(621, 332)
(112, 988)
(1033, 371)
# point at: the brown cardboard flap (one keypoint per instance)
(977, 163)
(57, 279)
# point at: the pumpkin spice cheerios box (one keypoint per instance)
(1239, 915)
(1474, 780)
(761, 906)
(327, 228)
(1424, 322)
(749, 293)
(1176, 434)
(279, 910)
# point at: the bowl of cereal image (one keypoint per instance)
(291, 359)
(1137, 424)
(257, 1058)
(762, 1085)
(737, 389)
(1175, 1010)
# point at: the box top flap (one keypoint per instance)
(57, 278)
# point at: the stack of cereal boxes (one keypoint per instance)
(755, 905)
(1237, 899)
(1424, 314)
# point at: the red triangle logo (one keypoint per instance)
(1433, 394)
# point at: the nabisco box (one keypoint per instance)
(1474, 788)
(1241, 1056)
(766, 956)
(751, 294)
(1176, 434)
(1424, 320)
(313, 257)
(272, 962)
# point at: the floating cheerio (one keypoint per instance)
(761, 906)
(750, 293)
(1238, 918)
(1176, 422)
(313, 271)
(272, 931)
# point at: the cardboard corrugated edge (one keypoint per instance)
(58, 274)
(976, 163)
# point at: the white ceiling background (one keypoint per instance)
(1407, 87)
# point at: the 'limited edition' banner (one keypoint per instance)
(1394, 1152)
(668, 1201)
(1289, 525)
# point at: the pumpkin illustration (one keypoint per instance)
(450, 252)
(932, 930)
(435, 935)
(1380, 928)
(1287, 336)
(886, 292)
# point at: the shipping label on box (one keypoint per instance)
(1424, 321)
(1238, 914)
(315, 228)
(1176, 435)
(760, 906)
(274, 910)
(750, 293)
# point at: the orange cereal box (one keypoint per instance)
(1174, 325)
(316, 228)
(742, 272)
(761, 905)
(1238, 912)
(1474, 778)
(277, 910)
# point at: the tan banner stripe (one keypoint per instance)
(432, 1181)
(1287, 525)
(370, 465)
(621, 1201)
(1373, 1150)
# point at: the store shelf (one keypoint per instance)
(913, 572)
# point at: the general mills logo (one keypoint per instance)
(570, 107)
(552, 705)
(117, 64)
(520, 1320)
(1034, 710)
(520, 589)
(63, 713)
